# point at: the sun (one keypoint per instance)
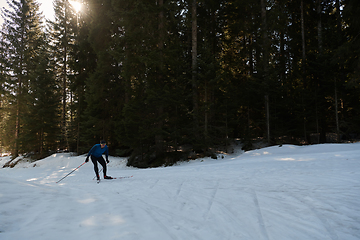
(76, 5)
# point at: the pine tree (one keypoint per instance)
(82, 61)
(104, 94)
(142, 58)
(347, 55)
(5, 95)
(62, 39)
(22, 33)
(42, 125)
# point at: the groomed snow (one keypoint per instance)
(278, 193)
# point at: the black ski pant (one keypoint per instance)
(101, 160)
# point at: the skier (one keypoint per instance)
(96, 153)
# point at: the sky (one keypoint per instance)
(46, 7)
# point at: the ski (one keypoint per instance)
(98, 181)
(123, 177)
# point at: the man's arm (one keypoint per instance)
(90, 152)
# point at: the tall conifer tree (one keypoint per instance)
(23, 34)
(62, 34)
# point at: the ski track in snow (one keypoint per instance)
(287, 193)
(260, 218)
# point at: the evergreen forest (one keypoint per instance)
(167, 80)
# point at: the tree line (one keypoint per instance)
(159, 79)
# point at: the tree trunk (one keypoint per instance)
(303, 41)
(65, 40)
(336, 114)
(265, 66)
(303, 63)
(160, 109)
(19, 102)
(341, 79)
(320, 118)
(319, 27)
(194, 65)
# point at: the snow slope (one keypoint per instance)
(278, 193)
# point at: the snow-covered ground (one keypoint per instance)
(278, 193)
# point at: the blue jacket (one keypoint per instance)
(97, 151)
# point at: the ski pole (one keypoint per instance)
(71, 172)
(99, 173)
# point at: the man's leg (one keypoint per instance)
(103, 164)
(96, 169)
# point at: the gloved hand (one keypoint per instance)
(107, 160)
(87, 159)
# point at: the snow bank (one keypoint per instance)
(280, 193)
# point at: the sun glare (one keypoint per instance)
(76, 5)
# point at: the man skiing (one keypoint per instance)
(96, 153)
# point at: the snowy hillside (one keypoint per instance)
(277, 193)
